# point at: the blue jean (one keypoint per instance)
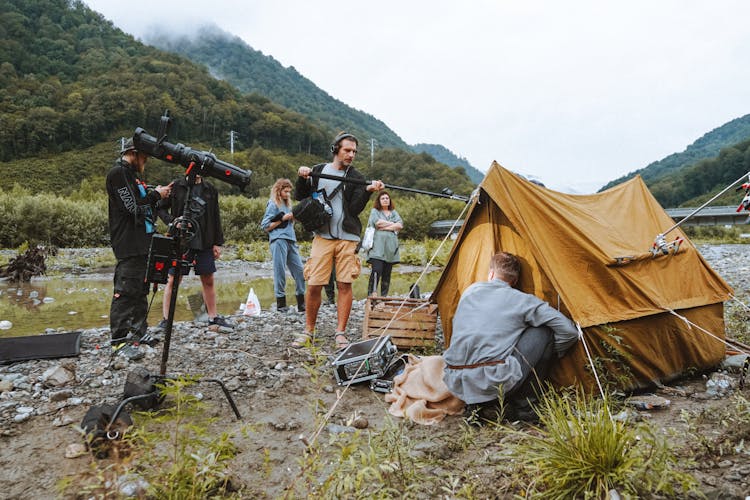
(286, 254)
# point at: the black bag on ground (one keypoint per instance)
(140, 382)
(100, 432)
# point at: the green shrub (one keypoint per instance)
(81, 219)
(240, 218)
(419, 253)
(580, 451)
(716, 234)
(52, 220)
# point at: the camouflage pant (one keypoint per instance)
(127, 313)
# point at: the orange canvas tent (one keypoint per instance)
(588, 255)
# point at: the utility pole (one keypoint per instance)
(372, 153)
(231, 142)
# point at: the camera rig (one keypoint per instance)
(203, 163)
(169, 252)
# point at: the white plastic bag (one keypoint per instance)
(367, 240)
(252, 305)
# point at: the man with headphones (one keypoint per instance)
(337, 241)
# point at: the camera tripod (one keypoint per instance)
(167, 253)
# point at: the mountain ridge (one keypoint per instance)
(709, 145)
(232, 60)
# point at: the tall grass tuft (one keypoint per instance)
(580, 451)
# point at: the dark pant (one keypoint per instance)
(534, 352)
(381, 272)
(127, 313)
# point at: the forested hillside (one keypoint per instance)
(71, 85)
(708, 146)
(445, 155)
(69, 79)
(231, 59)
(695, 184)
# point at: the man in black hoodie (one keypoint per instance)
(337, 241)
(131, 225)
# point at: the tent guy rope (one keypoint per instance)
(714, 336)
(660, 244)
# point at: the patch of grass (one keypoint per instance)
(715, 235)
(580, 451)
(730, 424)
(255, 251)
(419, 253)
(617, 355)
(375, 464)
(737, 318)
(174, 454)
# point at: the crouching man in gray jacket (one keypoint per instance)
(502, 345)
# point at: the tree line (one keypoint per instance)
(80, 219)
(72, 85)
(696, 184)
(69, 79)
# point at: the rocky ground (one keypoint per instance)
(279, 391)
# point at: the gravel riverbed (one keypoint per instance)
(41, 401)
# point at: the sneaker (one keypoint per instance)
(162, 325)
(524, 410)
(128, 351)
(148, 339)
(220, 321)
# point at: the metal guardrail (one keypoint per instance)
(440, 228)
(709, 216)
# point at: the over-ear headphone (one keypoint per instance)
(337, 141)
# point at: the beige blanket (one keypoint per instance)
(420, 394)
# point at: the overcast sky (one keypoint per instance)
(575, 93)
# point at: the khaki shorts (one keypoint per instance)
(322, 255)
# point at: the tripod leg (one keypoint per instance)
(170, 320)
(227, 395)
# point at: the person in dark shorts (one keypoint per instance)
(205, 247)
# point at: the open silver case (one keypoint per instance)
(364, 360)
(396, 367)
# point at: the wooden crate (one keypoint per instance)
(409, 322)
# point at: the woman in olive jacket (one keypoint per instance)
(384, 252)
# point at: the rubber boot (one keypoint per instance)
(301, 303)
(281, 304)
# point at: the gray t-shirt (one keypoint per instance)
(336, 231)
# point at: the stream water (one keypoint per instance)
(76, 302)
